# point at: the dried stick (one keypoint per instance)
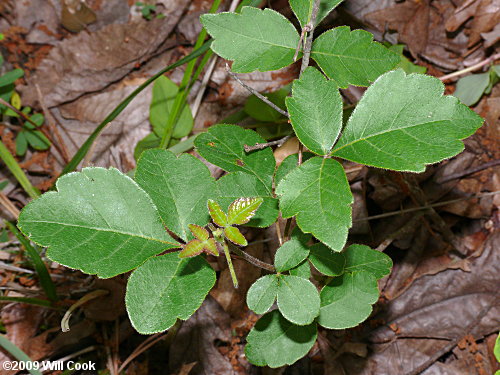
(255, 92)
(468, 171)
(471, 68)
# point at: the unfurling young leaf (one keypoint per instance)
(202, 243)
(218, 216)
(242, 210)
(234, 235)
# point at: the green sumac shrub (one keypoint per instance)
(104, 223)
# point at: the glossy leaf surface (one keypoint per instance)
(218, 216)
(242, 210)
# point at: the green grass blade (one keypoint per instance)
(180, 99)
(40, 267)
(17, 172)
(80, 154)
(16, 352)
(30, 301)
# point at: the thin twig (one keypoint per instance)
(255, 92)
(250, 259)
(309, 28)
(204, 84)
(413, 209)
(296, 54)
(22, 114)
(88, 297)
(260, 146)
(468, 171)
(487, 61)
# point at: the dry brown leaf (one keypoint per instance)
(196, 341)
(89, 62)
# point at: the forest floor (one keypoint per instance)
(439, 308)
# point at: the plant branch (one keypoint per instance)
(487, 61)
(250, 259)
(468, 171)
(256, 93)
(437, 204)
(260, 146)
(309, 28)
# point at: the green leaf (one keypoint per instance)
(180, 188)
(303, 10)
(196, 247)
(192, 248)
(238, 184)
(298, 299)
(319, 194)
(326, 261)
(292, 252)
(234, 235)
(164, 93)
(262, 294)
(315, 110)
(37, 140)
(496, 349)
(10, 77)
(223, 145)
(218, 216)
(100, 221)
(347, 300)
(352, 57)
(276, 342)
(242, 210)
(21, 143)
(261, 111)
(255, 39)
(199, 232)
(470, 88)
(37, 118)
(404, 122)
(165, 289)
(302, 270)
(406, 64)
(289, 164)
(146, 143)
(362, 258)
